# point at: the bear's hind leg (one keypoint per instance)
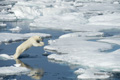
(18, 53)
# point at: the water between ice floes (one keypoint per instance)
(33, 58)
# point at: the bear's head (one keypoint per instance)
(37, 41)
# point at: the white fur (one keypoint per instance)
(32, 41)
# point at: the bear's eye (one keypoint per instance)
(38, 41)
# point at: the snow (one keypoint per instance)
(10, 37)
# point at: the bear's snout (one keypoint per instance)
(42, 43)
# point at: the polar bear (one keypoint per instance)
(32, 41)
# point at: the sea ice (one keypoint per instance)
(9, 37)
(89, 53)
(7, 17)
(27, 9)
(83, 34)
(111, 40)
(112, 19)
(66, 21)
(16, 29)
(20, 68)
(13, 70)
(5, 57)
(2, 24)
(94, 74)
(6, 2)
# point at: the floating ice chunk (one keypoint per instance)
(116, 2)
(5, 57)
(116, 70)
(94, 7)
(16, 29)
(82, 34)
(12, 70)
(108, 19)
(6, 2)
(101, 18)
(80, 71)
(57, 11)
(10, 57)
(50, 41)
(93, 74)
(7, 17)
(10, 37)
(27, 9)
(78, 4)
(66, 44)
(81, 51)
(66, 21)
(17, 65)
(111, 40)
(2, 25)
(25, 12)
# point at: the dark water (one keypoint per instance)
(34, 59)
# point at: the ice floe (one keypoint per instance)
(94, 74)
(5, 57)
(10, 57)
(2, 25)
(10, 37)
(83, 34)
(111, 40)
(6, 2)
(68, 15)
(20, 68)
(27, 10)
(13, 70)
(5, 10)
(7, 17)
(16, 29)
(89, 53)
(107, 19)
(65, 22)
